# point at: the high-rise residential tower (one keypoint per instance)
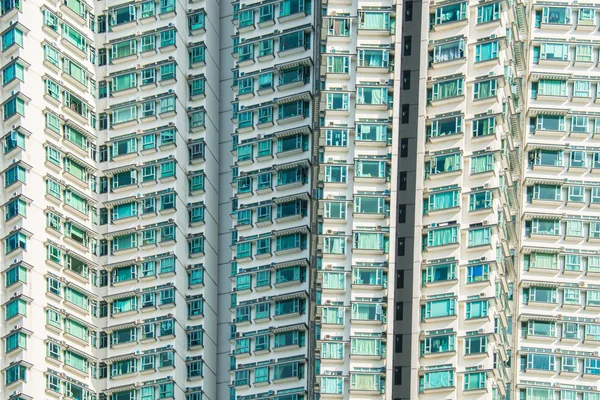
(299, 199)
(459, 166)
(110, 174)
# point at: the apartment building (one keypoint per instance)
(557, 325)
(463, 72)
(299, 200)
(109, 124)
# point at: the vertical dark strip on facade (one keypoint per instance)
(410, 64)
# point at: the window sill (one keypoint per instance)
(125, 92)
(449, 25)
(265, 24)
(123, 60)
(123, 26)
(148, 20)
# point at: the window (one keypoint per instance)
(446, 89)
(196, 55)
(442, 200)
(290, 7)
(476, 309)
(540, 294)
(332, 385)
(15, 373)
(14, 341)
(335, 174)
(442, 236)
(334, 280)
(554, 52)
(436, 380)
(17, 273)
(450, 13)
(337, 101)
(474, 381)
(488, 13)
(439, 273)
(486, 51)
(294, 40)
(14, 106)
(15, 207)
(485, 89)
(336, 137)
(541, 328)
(338, 64)
(12, 72)
(407, 51)
(373, 20)
(11, 37)
(478, 273)
(334, 245)
(14, 241)
(14, 308)
(371, 95)
(556, 15)
(582, 89)
(265, 48)
(14, 140)
(453, 50)
(540, 362)
(405, 114)
(438, 308)
(475, 345)
(167, 38)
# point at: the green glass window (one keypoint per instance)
(479, 237)
(450, 13)
(375, 20)
(14, 308)
(75, 37)
(485, 89)
(14, 106)
(443, 200)
(17, 273)
(15, 373)
(11, 37)
(480, 164)
(14, 208)
(17, 340)
(488, 13)
(12, 72)
(476, 309)
(338, 64)
(439, 273)
(289, 7)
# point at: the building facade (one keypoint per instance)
(294, 200)
(110, 132)
(466, 177)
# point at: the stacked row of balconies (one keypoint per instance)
(273, 128)
(557, 322)
(354, 199)
(471, 160)
(123, 239)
